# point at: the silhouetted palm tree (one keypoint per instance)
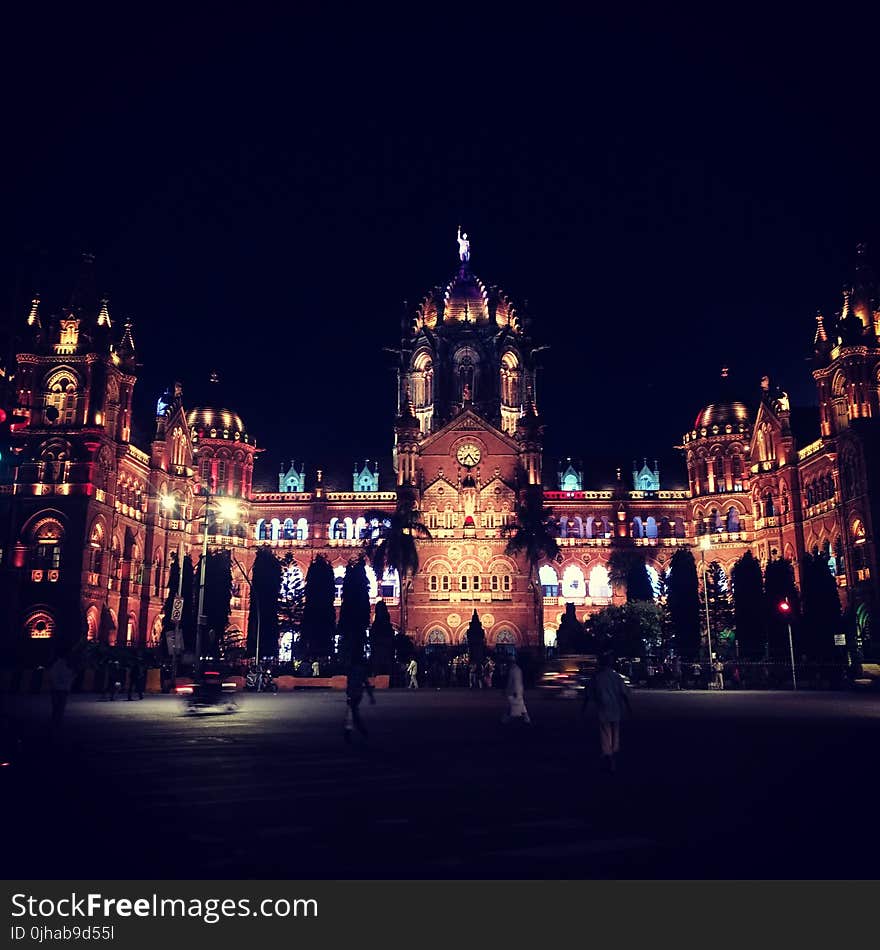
(533, 535)
(395, 548)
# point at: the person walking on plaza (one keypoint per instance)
(515, 693)
(610, 695)
(136, 678)
(488, 672)
(358, 682)
(675, 668)
(316, 668)
(60, 681)
(718, 667)
(114, 675)
(412, 668)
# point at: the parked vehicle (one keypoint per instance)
(260, 681)
(566, 675)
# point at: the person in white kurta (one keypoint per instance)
(515, 692)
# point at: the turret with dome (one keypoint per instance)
(466, 344)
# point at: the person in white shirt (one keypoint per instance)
(610, 695)
(515, 692)
(413, 669)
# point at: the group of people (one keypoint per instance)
(606, 692)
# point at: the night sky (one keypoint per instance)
(262, 195)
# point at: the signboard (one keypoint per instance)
(177, 610)
(174, 642)
(840, 639)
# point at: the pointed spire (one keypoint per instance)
(33, 317)
(126, 348)
(104, 314)
(821, 336)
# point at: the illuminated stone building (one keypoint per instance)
(89, 520)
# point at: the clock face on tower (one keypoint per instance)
(468, 454)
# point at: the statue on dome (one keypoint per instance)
(466, 393)
(464, 246)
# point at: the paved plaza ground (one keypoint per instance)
(733, 784)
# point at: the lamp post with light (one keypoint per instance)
(169, 503)
(706, 545)
(227, 511)
(785, 610)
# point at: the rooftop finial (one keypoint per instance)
(464, 246)
(821, 336)
(104, 314)
(33, 318)
(725, 372)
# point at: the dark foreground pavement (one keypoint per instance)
(754, 785)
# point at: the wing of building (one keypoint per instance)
(93, 526)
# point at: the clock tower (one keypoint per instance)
(468, 441)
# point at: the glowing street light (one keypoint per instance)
(227, 511)
(785, 610)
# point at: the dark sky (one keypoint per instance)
(262, 194)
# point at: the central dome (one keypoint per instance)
(466, 300)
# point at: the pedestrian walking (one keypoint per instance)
(474, 676)
(718, 667)
(137, 675)
(412, 668)
(488, 672)
(610, 695)
(515, 693)
(316, 668)
(675, 667)
(114, 678)
(60, 680)
(357, 683)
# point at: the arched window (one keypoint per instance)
(48, 538)
(263, 530)
(61, 399)
(302, 529)
(651, 527)
(96, 548)
(549, 580)
(93, 615)
(718, 472)
(436, 638)
(636, 530)
(732, 522)
(289, 532)
(573, 582)
(40, 625)
(736, 471)
(600, 586)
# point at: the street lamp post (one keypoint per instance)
(785, 610)
(705, 545)
(227, 511)
(169, 503)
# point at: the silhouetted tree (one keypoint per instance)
(218, 591)
(319, 614)
(821, 607)
(627, 569)
(720, 604)
(683, 601)
(188, 615)
(750, 617)
(628, 629)
(571, 637)
(779, 585)
(476, 640)
(263, 613)
(533, 536)
(291, 599)
(381, 640)
(395, 548)
(354, 613)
